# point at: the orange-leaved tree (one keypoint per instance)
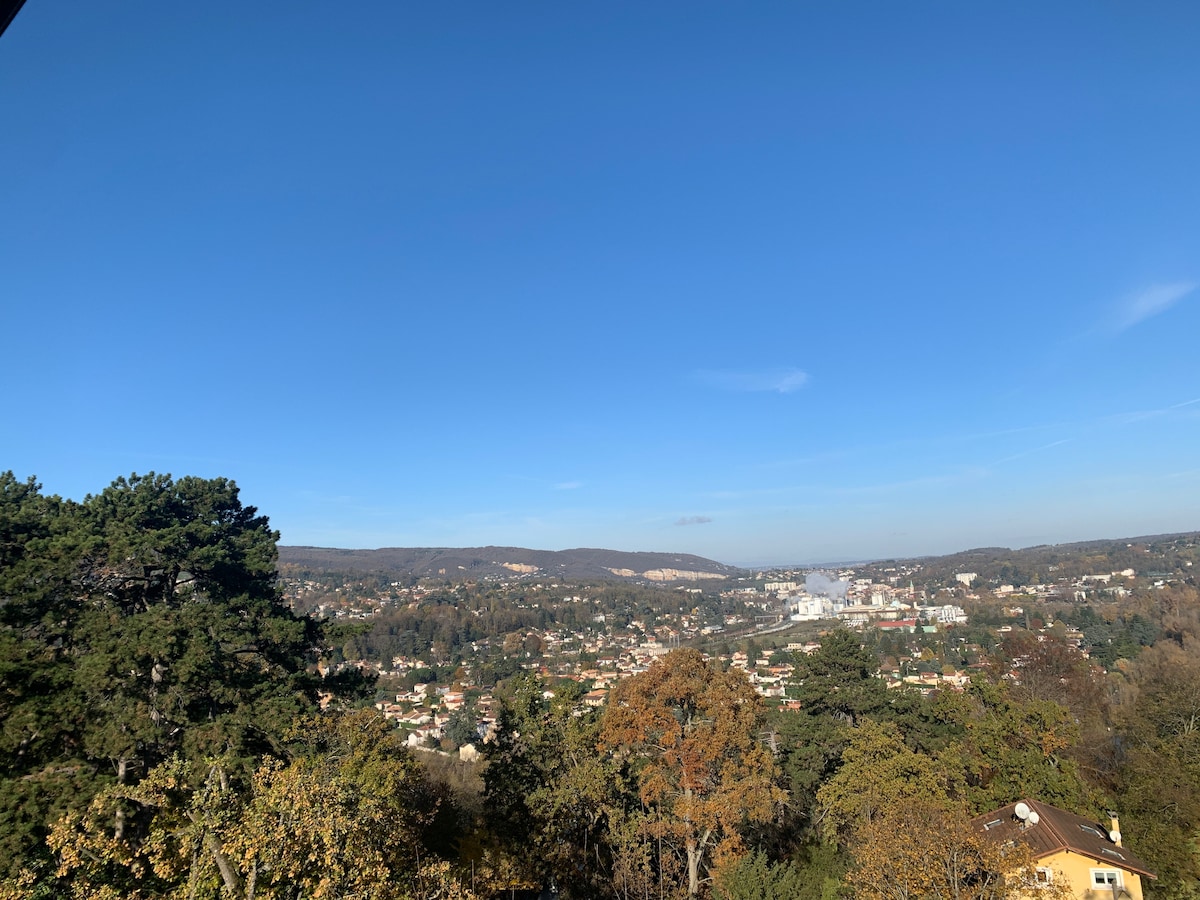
(690, 737)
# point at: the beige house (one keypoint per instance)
(596, 697)
(1088, 857)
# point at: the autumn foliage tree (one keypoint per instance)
(878, 774)
(341, 815)
(928, 849)
(689, 736)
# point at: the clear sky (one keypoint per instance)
(770, 282)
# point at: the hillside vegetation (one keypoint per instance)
(171, 727)
(482, 562)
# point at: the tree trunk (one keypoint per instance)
(694, 852)
(119, 818)
(233, 884)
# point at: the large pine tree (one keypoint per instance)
(140, 623)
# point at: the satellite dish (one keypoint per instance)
(1034, 818)
(1022, 810)
(1114, 836)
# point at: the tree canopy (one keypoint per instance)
(690, 736)
(140, 624)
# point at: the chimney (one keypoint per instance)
(1114, 827)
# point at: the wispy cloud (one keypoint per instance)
(779, 381)
(960, 476)
(1151, 302)
(1031, 451)
(693, 520)
(795, 462)
(754, 493)
(1135, 416)
(786, 493)
(544, 483)
(921, 443)
(1187, 473)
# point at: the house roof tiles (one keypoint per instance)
(1058, 830)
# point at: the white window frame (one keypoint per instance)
(1118, 878)
(1043, 875)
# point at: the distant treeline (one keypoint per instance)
(1166, 555)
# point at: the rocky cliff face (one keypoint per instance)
(667, 574)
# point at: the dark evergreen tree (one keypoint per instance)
(142, 622)
(548, 792)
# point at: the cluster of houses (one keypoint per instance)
(424, 712)
(597, 658)
(1082, 589)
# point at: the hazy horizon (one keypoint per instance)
(806, 564)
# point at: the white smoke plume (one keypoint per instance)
(821, 585)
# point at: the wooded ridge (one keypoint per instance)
(480, 562)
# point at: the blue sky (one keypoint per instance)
(774, 282)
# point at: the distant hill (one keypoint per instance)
(479, 562)
(1148, 554)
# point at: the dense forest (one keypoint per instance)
(171, 728)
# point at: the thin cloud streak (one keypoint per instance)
(928, 481)
(795, 462)
(1031, 451)
(1130, 418)
(825, 490)
(1187, 473)
(543, 483)
(838, 453)
(751, 493)
(779, 381)
(693, 520)
(1151, 302)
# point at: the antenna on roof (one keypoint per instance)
(1021, 811)
(1034, 818)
